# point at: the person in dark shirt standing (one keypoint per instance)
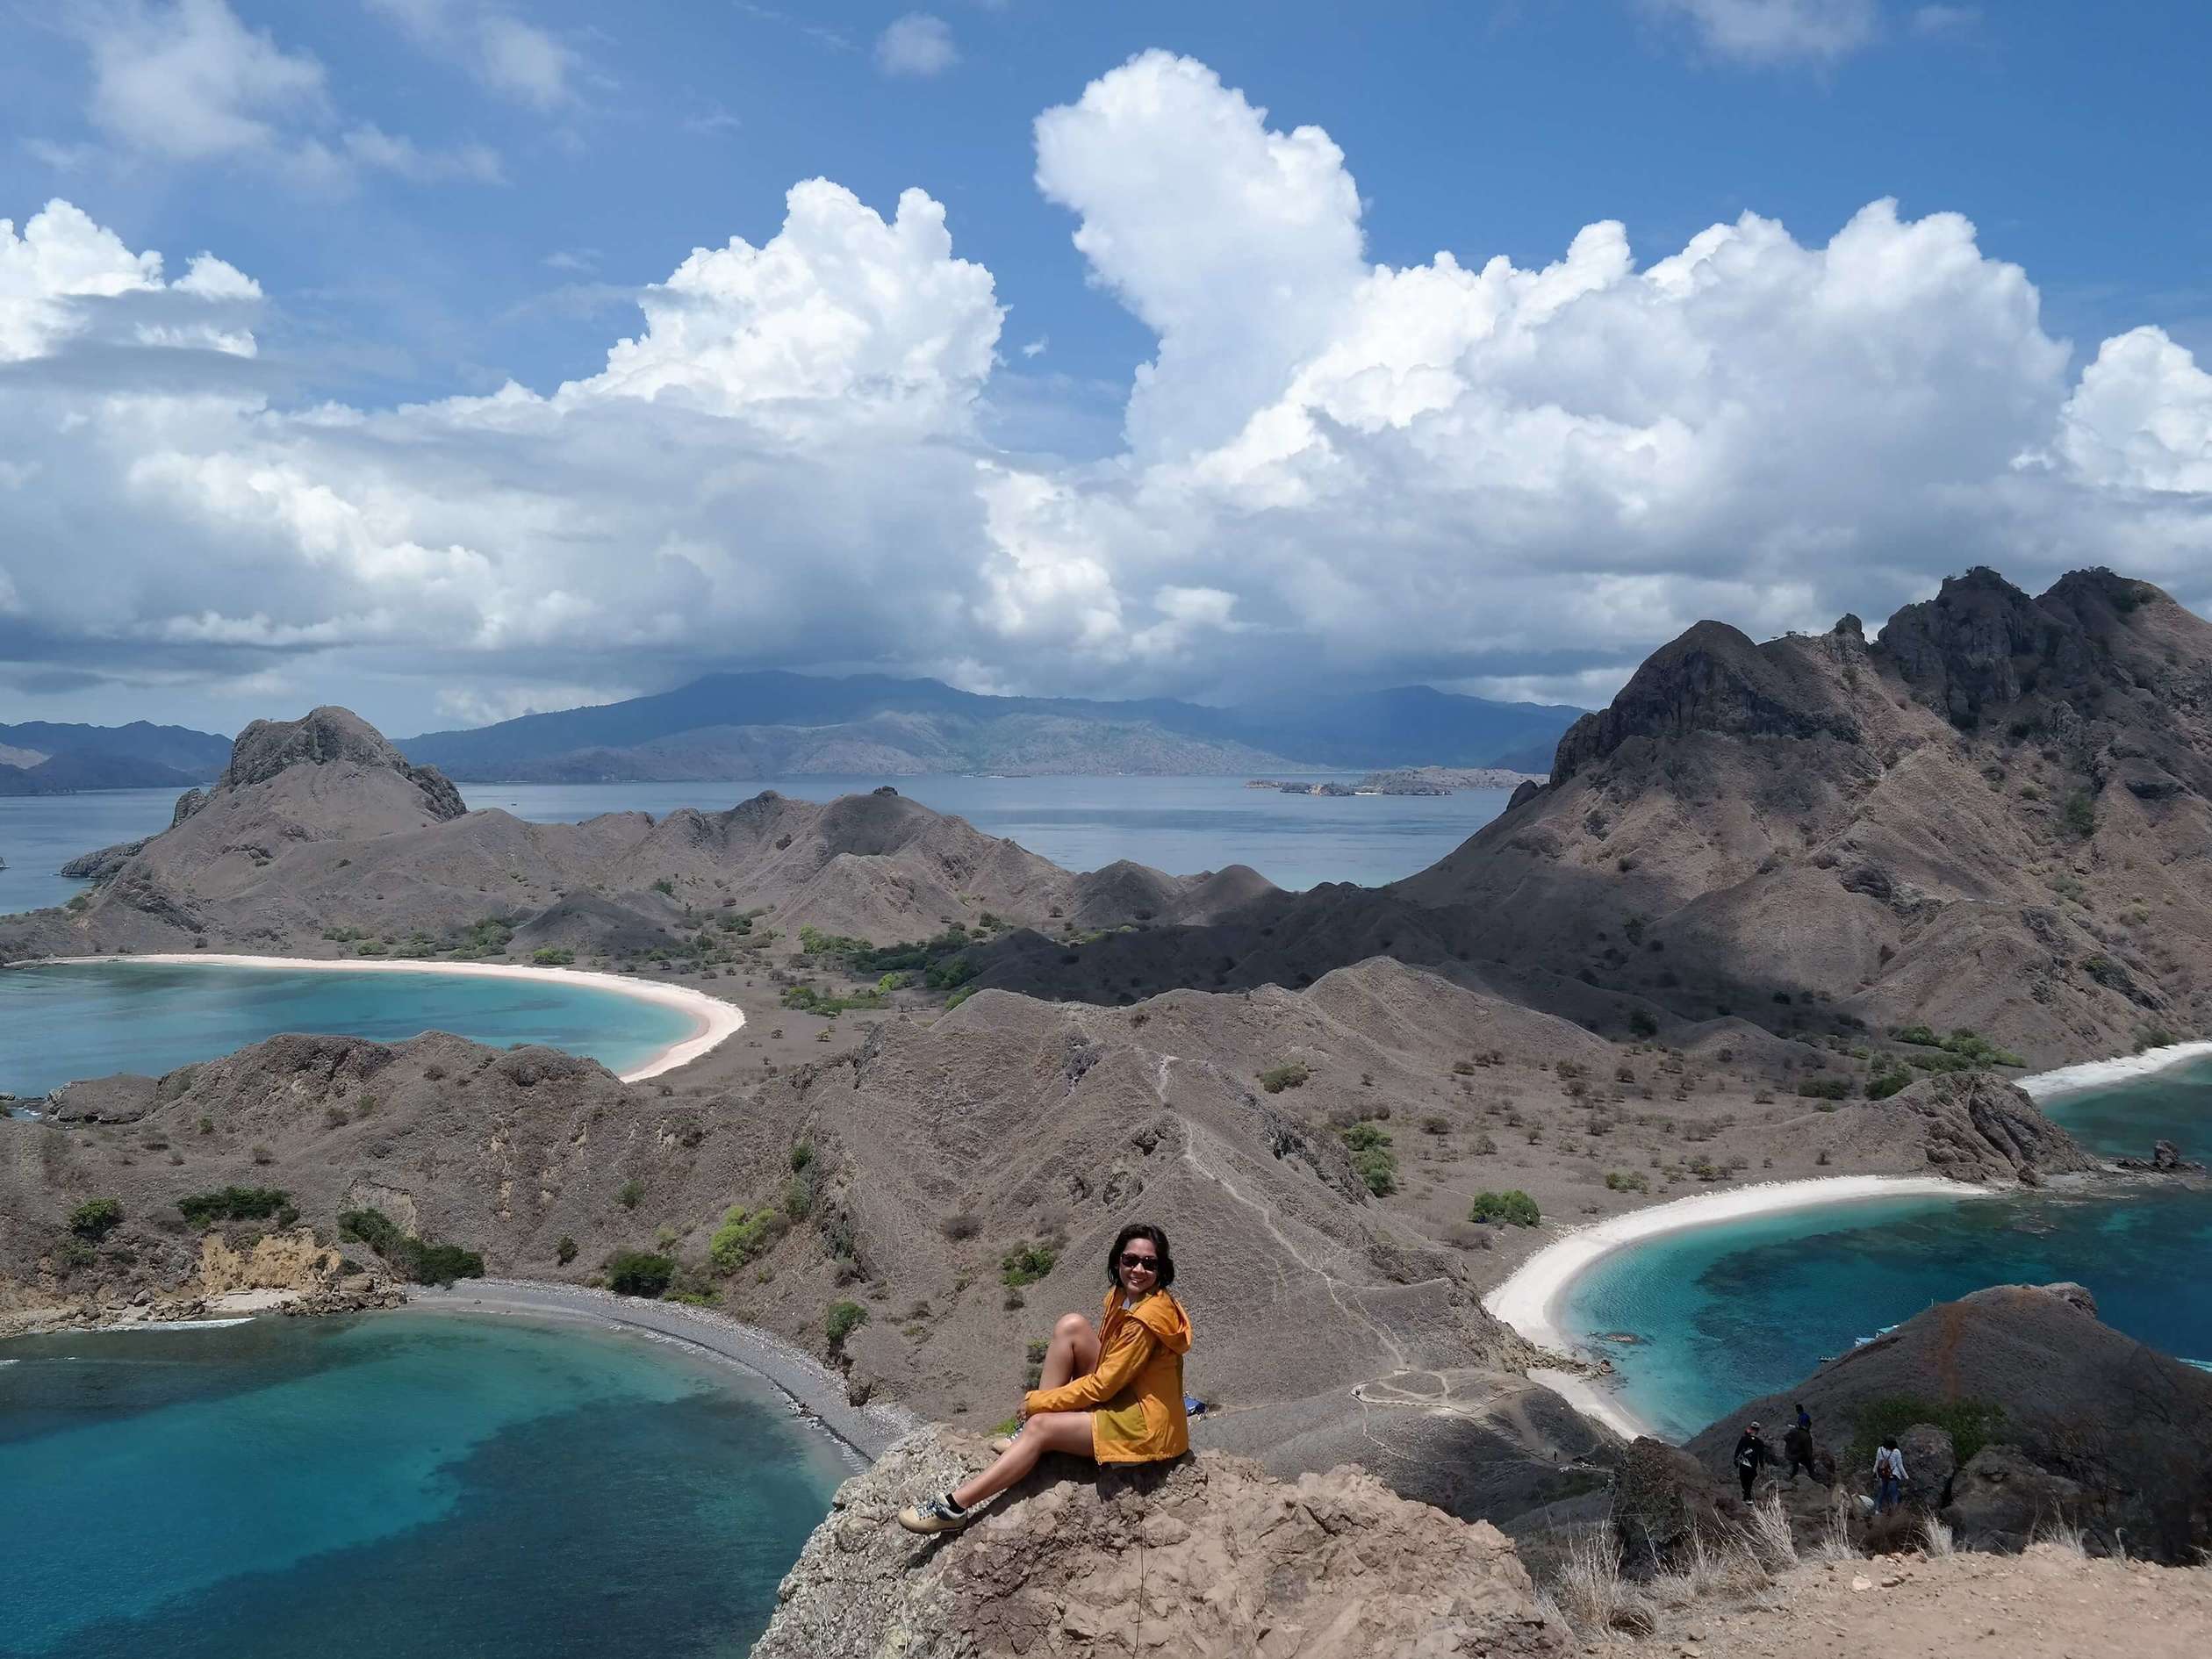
(1797, 1448)
(1752, 1454)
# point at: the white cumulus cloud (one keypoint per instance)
(1462, 469)
(916, 44)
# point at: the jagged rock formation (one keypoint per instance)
(1205, 1555)
(319, 826)
(2086, 1426)
(1974, 1126)
(1998, 815)
(102, 863)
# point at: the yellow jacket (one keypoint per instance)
(1136, 1396)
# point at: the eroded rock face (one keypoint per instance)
(1664, 1503)
(1204, 1556)
(2001, 1498)
(1979, 1127)
(1930, 1461)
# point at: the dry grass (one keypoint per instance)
(1936, 1538)
(1835, 1543)
(1706, 1570)
(2067, 1540)
(1589, 1592)
(1768, 1535)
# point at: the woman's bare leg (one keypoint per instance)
(1073, 1353)
(1053, 1432)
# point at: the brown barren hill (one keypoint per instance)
(1996, 817)
(320, 831)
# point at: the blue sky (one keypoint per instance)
(436, 198)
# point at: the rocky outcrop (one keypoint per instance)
(2165, 1159)
(122, 1098)
(1205, 1556)
(1976, 1126)
(328, 736)
(1930, 1461)
(1713, 680)
(1666, 1507)
(2003, 1497)
(101, 862)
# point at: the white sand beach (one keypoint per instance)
(2099, 1074)
(1531, 1299)
(713, 1019)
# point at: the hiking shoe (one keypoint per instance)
(935, 1515)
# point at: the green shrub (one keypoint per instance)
(639, 1272)
(1372, 1160)
(1026, 1264)
(2152, 1037)
(1824, 1088)
(1514, 1206)
(843, 1319)
(1642, 1025)
(742, 1236)
(1291, 1075)
(799, 1195)
(1972, 1424)
(441, 1263)
(1625, 1180)
(1920, 1034)
(552, 955)
(417, 1260)
(235, 1204)
(665, 885)
(96, 1217)
(565, 1252)
(801, 1154)
(1886, 1082)
(630, 1194)
(2079, 814)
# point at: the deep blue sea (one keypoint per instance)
(69, 1020)
(1182, 825)
(393, 1485)
(1724, 1314)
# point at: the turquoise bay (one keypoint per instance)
(391, 1484)
(1724, 1314)
(62, 1021)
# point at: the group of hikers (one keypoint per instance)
(1754, 1452)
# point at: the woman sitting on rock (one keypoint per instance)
(1114, 1394)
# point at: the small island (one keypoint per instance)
(1406, 781)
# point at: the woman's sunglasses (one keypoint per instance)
(1131, 1259)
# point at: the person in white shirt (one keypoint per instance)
(1889, 1475)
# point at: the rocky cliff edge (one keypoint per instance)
(1202, 1557)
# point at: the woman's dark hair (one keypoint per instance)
(1157, 1238)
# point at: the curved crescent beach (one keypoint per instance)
(1532, 1300)
(2119, 1069)
(713, 1020)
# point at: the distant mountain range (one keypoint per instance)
(754, 725)
(41, 757)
